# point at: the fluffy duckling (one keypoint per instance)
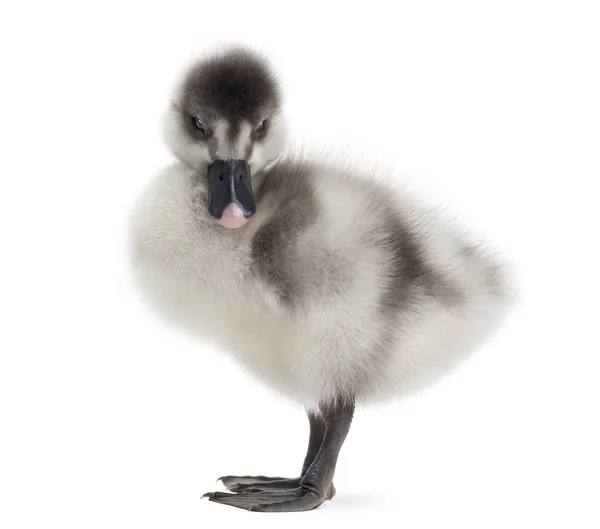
(331, 286)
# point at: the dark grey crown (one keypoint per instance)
(236, 84)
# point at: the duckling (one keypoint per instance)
(332, 286)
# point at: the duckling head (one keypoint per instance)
(226, 122)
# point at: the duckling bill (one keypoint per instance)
(329, 285)
(230, 196)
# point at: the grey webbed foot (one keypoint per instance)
(299, 499)
(266, 494)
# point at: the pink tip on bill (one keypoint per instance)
(233, 216)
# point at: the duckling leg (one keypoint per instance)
(264, 483)
(316, 485)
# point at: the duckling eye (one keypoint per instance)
(200, 126)
(261, 129)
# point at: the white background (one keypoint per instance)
(109, 418)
